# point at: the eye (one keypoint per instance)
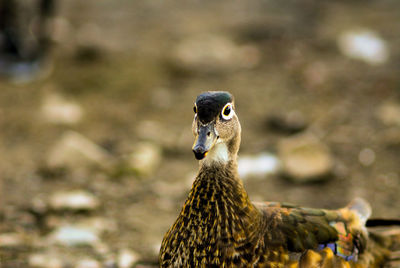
(195, 109)
(227, 112)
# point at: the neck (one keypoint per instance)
(217, 217)
(219, 204)
(223, 153)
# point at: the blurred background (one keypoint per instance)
(96, 105)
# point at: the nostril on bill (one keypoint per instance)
(208, 134)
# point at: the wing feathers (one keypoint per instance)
(299, 229)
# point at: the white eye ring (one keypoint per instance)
(227, 112)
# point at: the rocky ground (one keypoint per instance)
(95, 156)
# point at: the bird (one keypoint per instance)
(219, 226)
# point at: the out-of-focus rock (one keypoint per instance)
(70, 235)
(364, 45)
(39, 205)
(45, 260)
(304, 158)
(289, 123)
(88, 263)
(91, 228)
(145, 158)
(74, 150)
(56, 109)
(210, 53)
(98, 224)
(11, 240)
(366, 157)
(257, 165)
(172, 140)
(62, 31)
(153, 131)
(73, 200)
(127, 258)
(389, 114)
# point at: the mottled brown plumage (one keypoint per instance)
(219, 226)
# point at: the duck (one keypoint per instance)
(219, 226)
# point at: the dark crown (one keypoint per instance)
(210, 104)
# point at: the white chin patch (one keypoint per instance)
(218, 153)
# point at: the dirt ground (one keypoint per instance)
(135, 67)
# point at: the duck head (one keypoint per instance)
(216, 127)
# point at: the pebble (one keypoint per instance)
(56, 109)
(289, 123)
(127, 258)
(88, 263)
(257, 165)
(74, 200)
(43, 260)
(364, 45)
(74, 150)
(61, 30)
(389, 114)
(304, 158)
(69, 235)
(11, 240)
(366, 157)
(98, 224)
(207, 52)
(39, 205)
(145, 158)
(155, 132)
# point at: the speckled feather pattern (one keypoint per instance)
(216, 215)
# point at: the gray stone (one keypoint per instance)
(70, 235)
(257, 165)
(291, 122)
(145, 158)
(366, 157)
(11, 240)
(87, 263)
(389, 114)
(74, 150)
(73, 200)
(56, 109)
(44, 260)
(98, 224)
(127, 258)
(155, 132)
(210, 53)
(364, 45)
(85, 231)
(304, 158)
